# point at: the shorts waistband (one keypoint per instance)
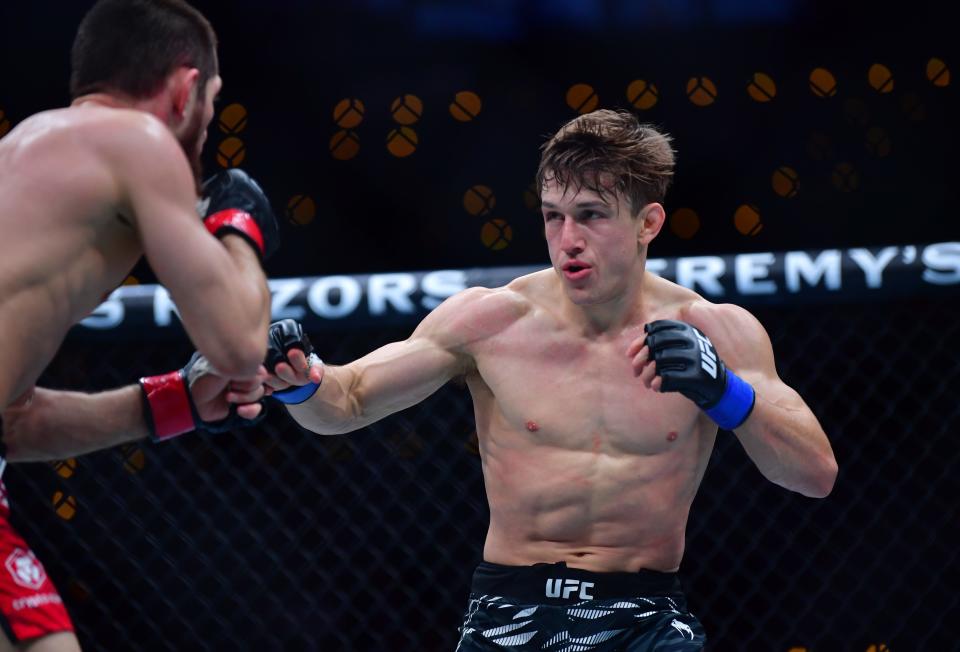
(559, 584)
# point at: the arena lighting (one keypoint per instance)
(757, 278)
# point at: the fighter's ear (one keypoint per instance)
(652, 216)
(181, 85)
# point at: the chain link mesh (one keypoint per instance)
(278, 539)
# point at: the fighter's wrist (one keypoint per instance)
(167, 409)
(735, 405)
(296, 394)
(238, 222)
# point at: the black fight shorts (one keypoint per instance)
(553, 608)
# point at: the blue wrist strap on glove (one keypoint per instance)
(735, 405)
(296, 395)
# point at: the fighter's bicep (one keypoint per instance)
(740, 339)
(745, 347)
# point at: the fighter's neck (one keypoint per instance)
(152, 105)
(613, 316)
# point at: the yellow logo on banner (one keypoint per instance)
(496, 235)
(406, 109)
(582, 98)
(233, 119)
(466, 106)
(701, 91)
(785, 181)
(479, 200)
(344, 145)
(301, 209)
(642, 95)
(348, 113)
(684, 222)
(402, 142)
(231, 152)
(746, 219)
(762, 88)
(823, 83)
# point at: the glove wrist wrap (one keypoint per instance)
(296, 395)
(167, 405)
(239, 222)
(735, 405)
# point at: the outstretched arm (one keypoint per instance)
(393, 377)
(49, 424)
(780, 434)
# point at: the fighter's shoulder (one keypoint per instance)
(730, 327)
(502, 304)
(126, 131)
(475, 314)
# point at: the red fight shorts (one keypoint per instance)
(30, 606)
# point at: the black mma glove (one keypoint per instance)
(688, 363)
(170, 410)
(282, 336)
(232, 202)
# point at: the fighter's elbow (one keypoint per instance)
(824, 478)
(239, 357)
(22, 445)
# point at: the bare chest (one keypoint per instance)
(566, 392)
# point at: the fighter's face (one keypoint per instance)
(593, 242)
(198, 114)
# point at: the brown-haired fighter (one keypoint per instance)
(598, 388)
(86, 190)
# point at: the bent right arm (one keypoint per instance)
(219, 287)
(392, 378)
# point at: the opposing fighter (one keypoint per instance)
(598, 390)
(85, 191)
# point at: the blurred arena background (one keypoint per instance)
(816, 185)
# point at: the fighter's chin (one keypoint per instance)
(581, 296)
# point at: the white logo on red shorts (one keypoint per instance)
(25, 569)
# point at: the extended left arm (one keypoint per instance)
(55, 424)
(737, 385)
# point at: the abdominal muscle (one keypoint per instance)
(598, 511)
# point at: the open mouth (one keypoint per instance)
(575, 270)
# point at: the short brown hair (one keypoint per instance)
(131, 46)
(611, 144)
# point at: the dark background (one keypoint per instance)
(277, 540)
(289, 63)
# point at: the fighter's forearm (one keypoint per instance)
(59, 424)
(333, 409)
(789, 447)
(239, 345)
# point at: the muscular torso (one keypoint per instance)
(64, 241)
(581, 462)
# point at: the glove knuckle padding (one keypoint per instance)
(233, 421)
(234, 189)
(684, 357)
(198, 366)
(661, 325)
(282, 336)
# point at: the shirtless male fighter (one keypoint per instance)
(85, 191)
(598, 389)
